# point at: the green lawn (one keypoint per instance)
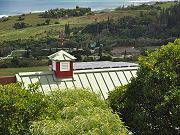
(13, 71)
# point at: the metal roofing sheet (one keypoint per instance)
(100, 81)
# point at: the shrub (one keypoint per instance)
(21, 25)
(78, 112)
(18, 107)
(150, 104)
(61, 112)
(56, 23)
(25, 62)
(15, 62)
(105, 58)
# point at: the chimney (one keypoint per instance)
(62, 64)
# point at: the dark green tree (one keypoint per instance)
(67, 30)
(15, 61)
(150, 104)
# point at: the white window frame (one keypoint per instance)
(64, 66)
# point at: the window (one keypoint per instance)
(65, 66)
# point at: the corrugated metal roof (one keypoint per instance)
(61, 56)
(100, 81)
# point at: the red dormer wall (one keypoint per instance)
(64, 74)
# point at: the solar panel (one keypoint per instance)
(102, 64)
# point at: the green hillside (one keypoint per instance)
(7, 32)
(144, 26)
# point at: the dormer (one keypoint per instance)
(62, 64)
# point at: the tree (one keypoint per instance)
(67, 29)
(28, 53)
(50, 51)
(15, 61)
(100, 50)
(150, 104)
(70, 44)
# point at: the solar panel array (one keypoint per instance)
(102, 64)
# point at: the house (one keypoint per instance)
(120, 51)
(65, 73)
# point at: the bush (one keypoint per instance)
(56, 23)
(15, 62)
(25, 62)
(21, 25)
(78, 112)
(105, 58)
(150, 104)
(18, 107)
(61, 112)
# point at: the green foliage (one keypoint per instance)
(20, 18)
(57, 13)
(117, 99)
(61, 112)
(47, 21)
(78, 112)
(88, 59)
(67, 30)
(21, 25)
(105, 58)
(70, 44)
(150, 104)
(170, 16)
(18, 108)
(15, 61)
(25, 62)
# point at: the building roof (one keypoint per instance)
(121, 50)
(61, 56)
(98, 80)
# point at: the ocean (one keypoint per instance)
(16, 7)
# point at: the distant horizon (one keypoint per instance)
(18, 7)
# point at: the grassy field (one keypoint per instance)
(7, 32)
(13, 71)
